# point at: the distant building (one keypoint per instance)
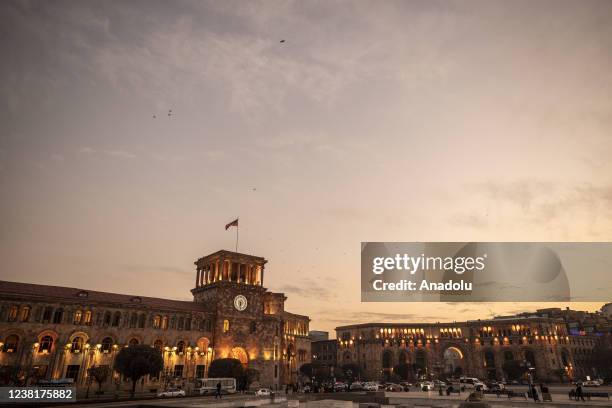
(317, 335)
(324, 357)
(50, 332)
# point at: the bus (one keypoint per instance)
(208, 386)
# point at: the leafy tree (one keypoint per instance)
(351, 371)
(602, 359)
(134, 362)
(514, 369)
(307, 370)
(403, 370)
(226, 368)
(250, 376)
(99, 374)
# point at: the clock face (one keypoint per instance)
(240, 303)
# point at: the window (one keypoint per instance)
(164, 323)
(45, 344)
(116, 319)
(11, 343)
(107, 345)
(72, 371)
(156, 322)
(57, 316)
(133, 320)
(77, 345)
(107, 318)
(275, 370)
(47, 314)
(12, 316)
(226, 326)
(188, 323)
(25, 313)
(180, 347)
(87, 317)
(181, 323)
(142, 320)
(159, 345)
(200, 370)
(78, 315)
(178, 370)
(133, 342)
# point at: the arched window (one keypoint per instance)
(159, 345)
(180, 347)
(133, 320)
(530, 357)
(87, 317)
(11, 343)
(420, 360)
(387, 359)
(46, 342)
(107, 345)
(226, 326)
(157, 322)
(25, 313)
(141, 320)
(13, 311)
(116, 319)
(133, 342)
(77, 317)
(58, 315)
(181, 323)
(107, 318)
(188, 323)
(76, 345)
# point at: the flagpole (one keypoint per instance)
(237, 236)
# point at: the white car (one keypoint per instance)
(426, 386)
(171, 392)
(370, 386)
(263, 392)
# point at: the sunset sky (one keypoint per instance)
(372, 121)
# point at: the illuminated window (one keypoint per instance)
(156, 322)
(107, 345)
(45, 344)
(25, 313)
(76, 345)
(180, 347)
(226, 326)
(77, 317)
(164, 323)
(12, 316)
(11, 343)
(87, 317)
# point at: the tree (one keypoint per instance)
(134, 362)
(226, 368)
(514, 369)
(99, 374)
(307, 370)
(351, 371)
(250, 376)
(602, 359)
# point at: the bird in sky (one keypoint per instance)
(154, 116)
(282, 41)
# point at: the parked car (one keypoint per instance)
(426, 386)
(356, 386)
(394, 388)
(439, 383)
(591, 383)
(340, 387)
(171, 392)
(370, 386)
(263, 392)
(307, 388)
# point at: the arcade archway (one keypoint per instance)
(453, 361)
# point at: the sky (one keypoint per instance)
(372, 121)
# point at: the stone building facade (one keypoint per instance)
(473, 348)
(49, 332)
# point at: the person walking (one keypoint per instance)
(218, 393)
(534, 393)
(579, 393)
